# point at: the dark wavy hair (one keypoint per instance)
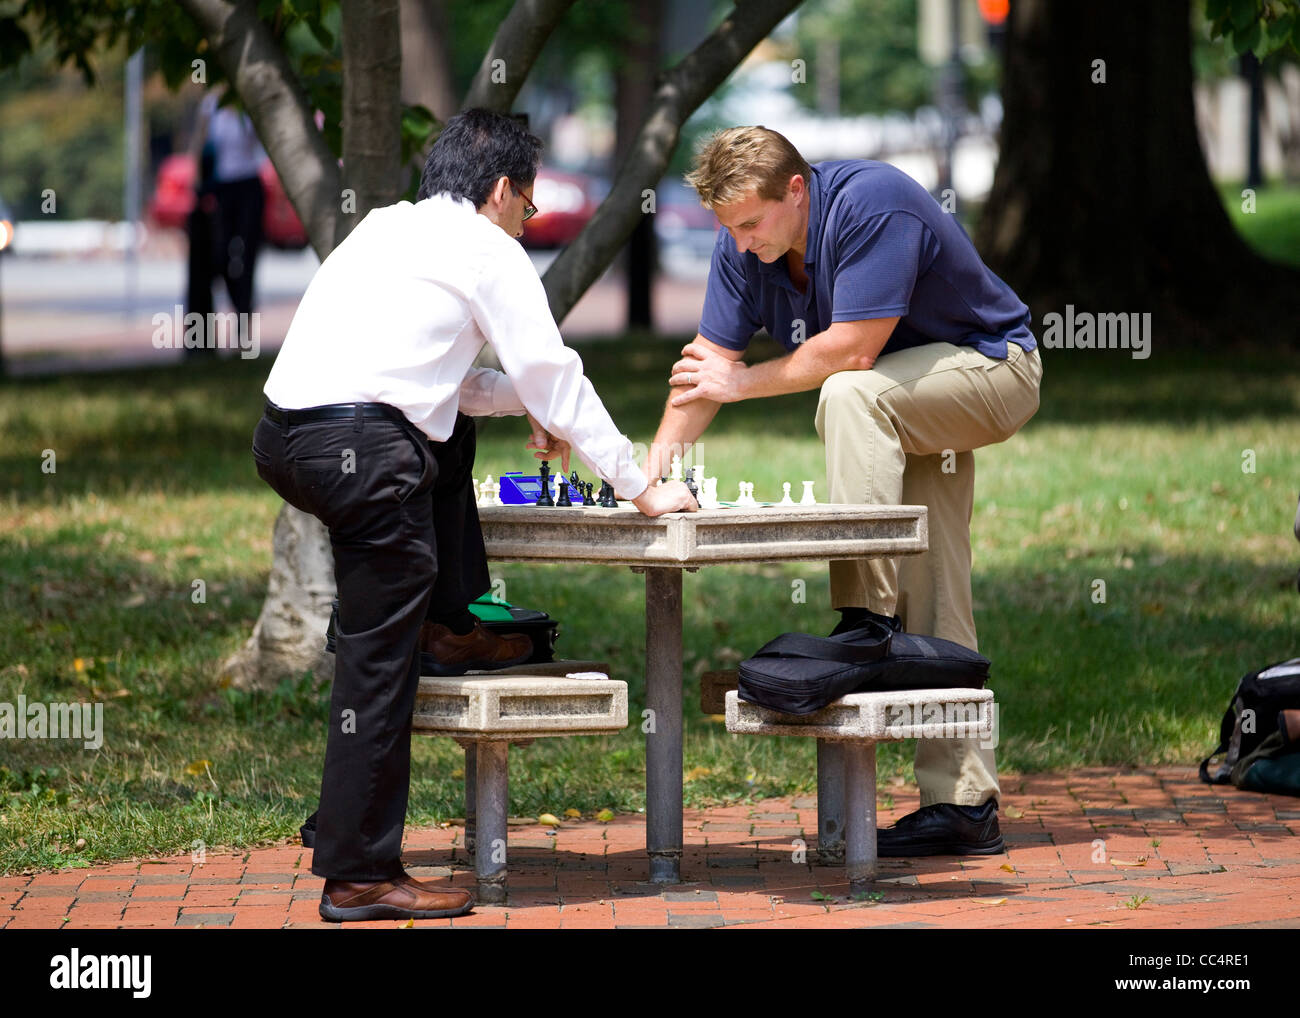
(475, 150)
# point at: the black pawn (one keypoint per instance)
(544, 475)
(563, 501)
(586, 494)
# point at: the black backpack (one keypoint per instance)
(1260, 756)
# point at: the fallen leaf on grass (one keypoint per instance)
(696, 773)
(197, 767)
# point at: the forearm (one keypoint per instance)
(678, 431)
(806, 368)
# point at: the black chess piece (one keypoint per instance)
(586, 494)
(574, 483)
(563, 501)
(692, 487)
(607, 497)
(544, 475)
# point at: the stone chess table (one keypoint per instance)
(663, 548)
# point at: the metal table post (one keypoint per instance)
(663, 751)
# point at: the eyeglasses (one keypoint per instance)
(530, 209)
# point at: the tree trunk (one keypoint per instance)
(289, 636)
(634, 85)
(426, 58)
(1101, 197)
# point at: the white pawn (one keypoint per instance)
(485, 491)
(699, 473)
(675, 472)
(709, 494)
(808, 497)
(496, 494)
(785, 496)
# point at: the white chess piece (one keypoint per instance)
(485, 492)
(675, 473)
(808, 497)
(709, 494)
(785, 496)
(496, 494)
(699, 473)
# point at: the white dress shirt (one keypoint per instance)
(397, 313)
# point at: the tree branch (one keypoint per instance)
(519, 39)
(260, 74)
(678, 94)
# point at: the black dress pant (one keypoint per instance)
(404, 530)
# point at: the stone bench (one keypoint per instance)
(847, 731)
(485, 712)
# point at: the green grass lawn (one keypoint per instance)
(1131, 474)
(1273, 228)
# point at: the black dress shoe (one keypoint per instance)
(943, 829)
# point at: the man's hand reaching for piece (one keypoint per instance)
(548, 445)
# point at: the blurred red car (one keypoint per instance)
(173, 199)
(565, 201)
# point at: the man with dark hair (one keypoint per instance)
(367, 427)
(921, 355)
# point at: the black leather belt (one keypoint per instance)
(333, 412)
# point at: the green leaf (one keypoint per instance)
(1248, 39)
(1243, 13)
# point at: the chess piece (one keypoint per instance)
(485, 491)
(563, 501)
(607, 498)
(808, 497)
(675, 474)
(785, 497)
(710, 498)
(496, 494)
(691, 486)
(544, 475)
(576, 485)
(586, 497)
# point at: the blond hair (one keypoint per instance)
(733, 162)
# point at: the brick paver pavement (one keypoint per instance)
(1096, 847)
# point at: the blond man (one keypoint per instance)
(921, 355)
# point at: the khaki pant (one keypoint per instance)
(902, 434)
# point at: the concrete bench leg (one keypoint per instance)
(830, 802)
(491, 802)
(860, 802)
(471, 790)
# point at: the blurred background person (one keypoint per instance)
(225, 226)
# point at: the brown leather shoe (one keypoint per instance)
(442, 652)
(403, 897)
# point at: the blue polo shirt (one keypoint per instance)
(878, 246)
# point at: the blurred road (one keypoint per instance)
(95, 313)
